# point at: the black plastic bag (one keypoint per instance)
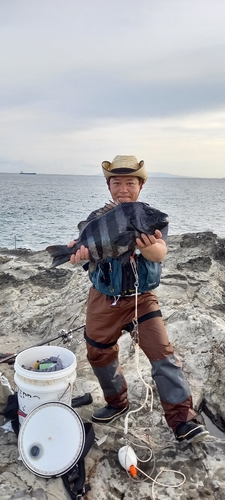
(10, 412)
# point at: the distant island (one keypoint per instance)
(27, 173)
(160, 174)
(163, 174)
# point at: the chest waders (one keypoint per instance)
(105, 321)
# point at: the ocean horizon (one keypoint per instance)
(44, 209)
(150, 174)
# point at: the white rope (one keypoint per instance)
(154, 480)
(148, 387)
(135, 337)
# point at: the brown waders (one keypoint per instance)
(103, 328)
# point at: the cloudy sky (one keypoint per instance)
(84, 80)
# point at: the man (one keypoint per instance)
(107, 316)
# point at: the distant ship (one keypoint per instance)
(27, 173)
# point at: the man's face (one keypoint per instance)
(125, 188)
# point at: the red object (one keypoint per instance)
(133, 471)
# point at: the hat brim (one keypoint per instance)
(133, 172)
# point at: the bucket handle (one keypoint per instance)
(64, 392)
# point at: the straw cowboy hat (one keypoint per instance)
(124, 165)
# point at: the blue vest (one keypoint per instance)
(107, 278)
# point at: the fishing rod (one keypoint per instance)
(64, 334)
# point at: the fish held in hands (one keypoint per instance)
(112, 232)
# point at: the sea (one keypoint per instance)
(41, 210)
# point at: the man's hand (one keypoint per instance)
(152, 246)
(148, 239)
(81, 254)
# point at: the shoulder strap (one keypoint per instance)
(89, 438)
(74, 479)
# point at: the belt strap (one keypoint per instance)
(128, 328)
(143, 318)
(99, 345)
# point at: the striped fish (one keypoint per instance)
(112, 232)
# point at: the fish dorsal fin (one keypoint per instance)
(108, 206)
(82, 224)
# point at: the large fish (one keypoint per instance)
(112, 232)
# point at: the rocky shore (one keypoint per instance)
(36, 302)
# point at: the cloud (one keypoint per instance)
(191, 145)
(82, 80)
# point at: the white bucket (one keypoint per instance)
(51, 439)
(36, 387)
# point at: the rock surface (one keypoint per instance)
(37, 301)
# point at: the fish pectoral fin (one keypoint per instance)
(123, 240)
(137, 231)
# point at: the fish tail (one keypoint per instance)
(59, 254)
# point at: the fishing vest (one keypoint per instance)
(111, 278)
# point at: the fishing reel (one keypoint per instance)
(66, 335)
(63, 334)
